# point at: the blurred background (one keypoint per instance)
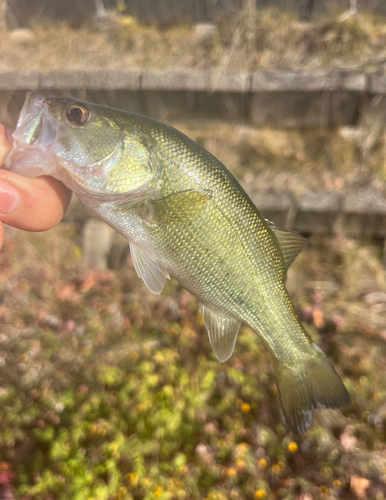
(108, 392)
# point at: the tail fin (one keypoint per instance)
(307, 386)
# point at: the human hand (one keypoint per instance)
(30, 204)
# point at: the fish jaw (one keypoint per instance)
(32, 140)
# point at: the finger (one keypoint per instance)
(1, 235)
(32, 204)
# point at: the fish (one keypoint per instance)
(185, 216)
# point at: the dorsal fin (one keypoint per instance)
(222, 332)
(152, 272)
(290, 243)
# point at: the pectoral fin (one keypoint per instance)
(152, 272)
(222, 333)
(177, 208)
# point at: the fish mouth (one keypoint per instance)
(33, 137)
(35, 125)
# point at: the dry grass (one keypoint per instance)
(294, 160)
(252, 40)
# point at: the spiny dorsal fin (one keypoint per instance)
(290, 243)
(152, 272)
(222, 332)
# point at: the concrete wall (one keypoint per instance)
(274, 98)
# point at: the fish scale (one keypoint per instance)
(186, 216)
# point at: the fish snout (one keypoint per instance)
(35, 133)
(35, 125)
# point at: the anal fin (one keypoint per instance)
(152, 272)
(222, 332)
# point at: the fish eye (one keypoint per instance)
(77, 114)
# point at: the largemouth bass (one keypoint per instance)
(185, 216)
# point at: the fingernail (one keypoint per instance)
(9, 198)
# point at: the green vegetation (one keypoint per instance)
(108, 392)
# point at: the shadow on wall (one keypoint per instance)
(25, 12)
